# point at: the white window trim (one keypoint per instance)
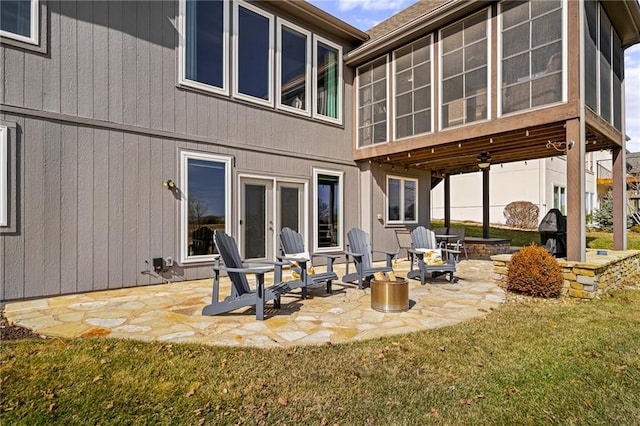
(402, 179)
(34, 29)
(315, 114)
(340, 175)
(357, 118)
(431, 89)
(489, 70)
(236, 94)
(307, 111)
(4, 176)
(182, 53)
(565, 77)
(184, 207)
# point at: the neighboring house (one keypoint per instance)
(130, 131)
(542, 182)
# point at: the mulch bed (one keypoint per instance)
(14, 332)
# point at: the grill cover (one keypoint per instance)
(554, 222)
(553, 232)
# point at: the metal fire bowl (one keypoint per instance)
(390, 296)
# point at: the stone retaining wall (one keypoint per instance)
(484, 248)
(588, 279)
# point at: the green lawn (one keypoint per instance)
(520, 238)
(541, 362)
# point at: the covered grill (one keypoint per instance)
(553, 233)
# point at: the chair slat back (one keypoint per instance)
(291, 241)
(441, 231)
(459, 232)
(423, 238)
(360, 242)
(231, 257)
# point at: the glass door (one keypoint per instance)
(290, 206)
(256, 219)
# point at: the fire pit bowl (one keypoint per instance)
(390, 296)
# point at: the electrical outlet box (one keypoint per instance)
(168, 261)
(158, 264)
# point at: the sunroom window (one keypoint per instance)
(532, 59)
(253, 53)
(372, 102)
(328, 80)
(402, 200)
(206, 181)
(412, 79)
(464, 71)
(19, 20)
(294, 68)
(205, 45)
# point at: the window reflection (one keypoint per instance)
(205, 42)
(253, 54)
(328, 205)
(293, 78)
(327, 62)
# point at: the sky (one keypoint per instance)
(364, 14)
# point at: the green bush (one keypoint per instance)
(535, 272)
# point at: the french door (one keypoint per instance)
(267, 206)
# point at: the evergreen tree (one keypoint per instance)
(604, 215)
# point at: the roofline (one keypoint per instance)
(339, 26)
(383, 42)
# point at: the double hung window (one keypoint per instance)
(465, 76)
(402, 200)
(532, 54)
(372, 102)
(294, 68)
(412, 78)
(327, 76)
(19, 20)
(206, 205)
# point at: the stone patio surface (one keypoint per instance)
(172, 312)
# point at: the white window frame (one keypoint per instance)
(561, 192)
(4, 176)
(340, 175)
(402, 180)
(431, 89)
(184, 207)
(182, 53)
(307, 111)
(34, 27)
(316, 39)
(565, 88)
(236, 94)
(487, 21)
(357, 120)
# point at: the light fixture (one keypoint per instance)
(169, 184)
(484, 160)
(433, 150)
(408, 154)
(490, 140)
(406, 168)
(527, 132)
(393, 167)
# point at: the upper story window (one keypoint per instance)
(19, 20)
(412, 89)
(253, 35)
(532, 54)
(294, 68)
(372, 102)
(327, 76)
(604, 65)
(205, 45)
(309, 68)
(402, 200)
(464, 70)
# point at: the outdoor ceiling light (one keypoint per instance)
(484, 160)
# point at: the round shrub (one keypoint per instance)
(535, 272)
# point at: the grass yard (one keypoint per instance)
(539, 362)
(521, 238)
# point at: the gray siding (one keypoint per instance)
(101, 122)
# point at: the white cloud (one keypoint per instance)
(632, 96)
(367, 5)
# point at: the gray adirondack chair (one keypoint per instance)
(421, 239)
(458, 243)
(241, 293)
(361, 252)
(291, 243)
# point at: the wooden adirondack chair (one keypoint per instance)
(362, 254)
(424, 241)
(241, 293)
(292, 249)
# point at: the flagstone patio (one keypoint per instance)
(172, 312)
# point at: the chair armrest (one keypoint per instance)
(350, 253)
(388, 253)
(254, 270)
